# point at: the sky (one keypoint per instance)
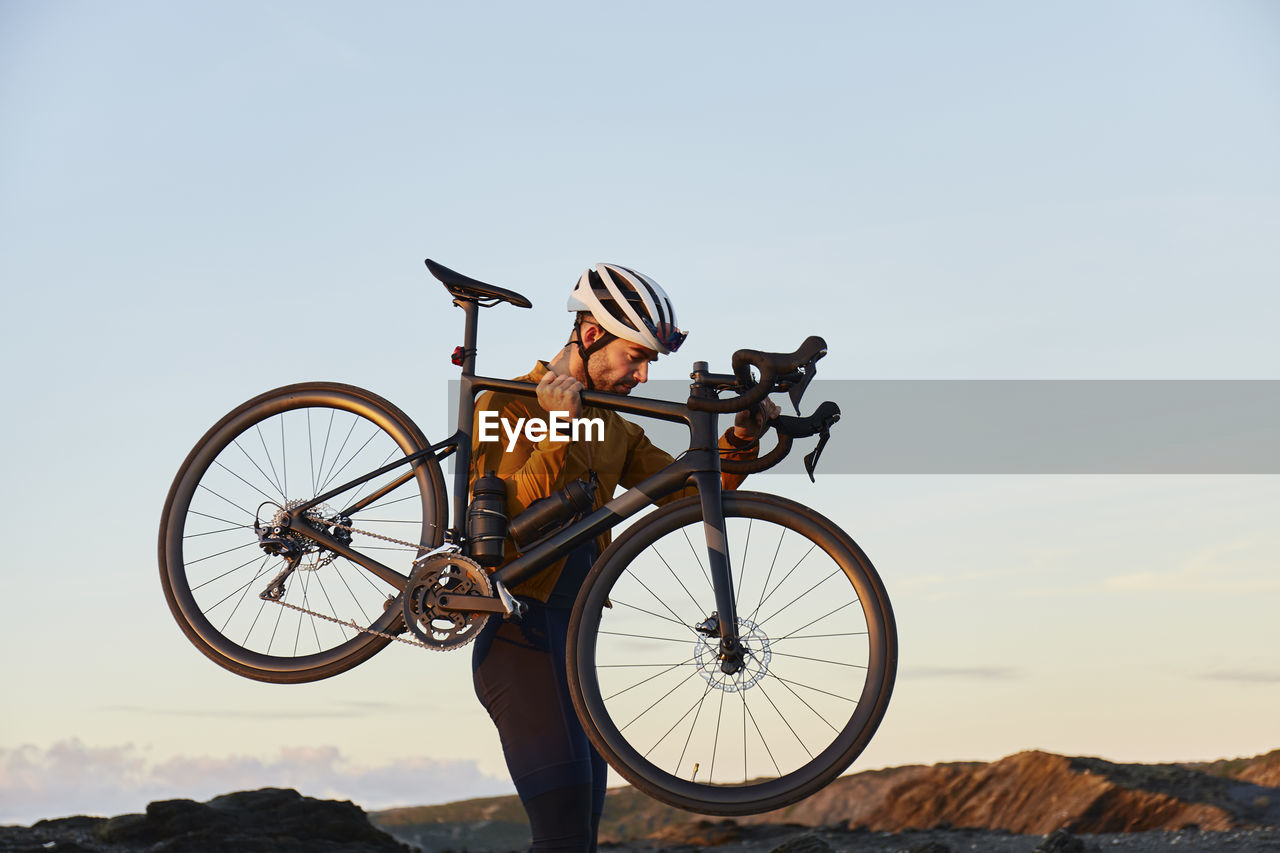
(202, 201)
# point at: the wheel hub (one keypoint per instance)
(753, 657)
(279, 537)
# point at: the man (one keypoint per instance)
(623, 322)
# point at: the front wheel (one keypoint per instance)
(286, 610)
(821, 656)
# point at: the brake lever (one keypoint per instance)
(811, 458)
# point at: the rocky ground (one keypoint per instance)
(1012, 806)
(837, 840)
(1031, 802)
(182, 826)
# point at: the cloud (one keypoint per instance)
(1244, 676)
(344, 709)
(1230, 568)
(72, 778)
(984, 673)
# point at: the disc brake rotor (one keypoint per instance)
(755, 659)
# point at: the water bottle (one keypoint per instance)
(487, 520)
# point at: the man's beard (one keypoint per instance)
(596, 370)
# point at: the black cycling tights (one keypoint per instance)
(519, 674)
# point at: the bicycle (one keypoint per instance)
(307, 530)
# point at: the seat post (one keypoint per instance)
(466, 414)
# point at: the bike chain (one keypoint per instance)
(363, 630)
(352, 623)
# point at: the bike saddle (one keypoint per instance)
(463, 287)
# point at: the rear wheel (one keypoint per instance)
(270, 455)
(647, 681)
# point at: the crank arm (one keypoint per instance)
(470, 604)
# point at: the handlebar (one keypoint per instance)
(771, 365)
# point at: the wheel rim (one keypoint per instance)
(807, 699)
(275, 455)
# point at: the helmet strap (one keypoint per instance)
(584, 352)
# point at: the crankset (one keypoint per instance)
(448, 600)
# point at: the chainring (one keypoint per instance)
(444, 574)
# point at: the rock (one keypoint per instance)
(271, 820)
(807, 843)
(928, 847)
(1060, 841)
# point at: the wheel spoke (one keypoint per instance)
(350, 459)
(245, 588)
(760, 734)
(786, 722)
(817, 660)
(698, 557)
(271, 478)
(651, 678)
(784, 580)
(617, 602)
(701, 700)
(275, 479)
(212, 532)
(822, 636)
(789, 682)
(324, 451)
(219, 577)
(715, 744)
(659, 699)
(220, 553)
(772, 564)
(326, 479)
(681, 718)
(269, 498)
(247, 512)
(218, 518)
(677, 578)
(802, 595)
(646, 637)
(819, 619)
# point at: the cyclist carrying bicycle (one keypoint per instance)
(623, 322)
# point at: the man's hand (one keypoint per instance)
(749, 423)
(560, 392)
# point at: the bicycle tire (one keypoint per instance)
(213, 569)
(623, 618)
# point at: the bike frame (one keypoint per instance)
(700, 464)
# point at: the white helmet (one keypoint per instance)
(630, 305)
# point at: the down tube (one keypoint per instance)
(644, 494)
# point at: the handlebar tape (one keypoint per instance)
(770, 365)
(755, 466)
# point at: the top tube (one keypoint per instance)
(644, 406)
